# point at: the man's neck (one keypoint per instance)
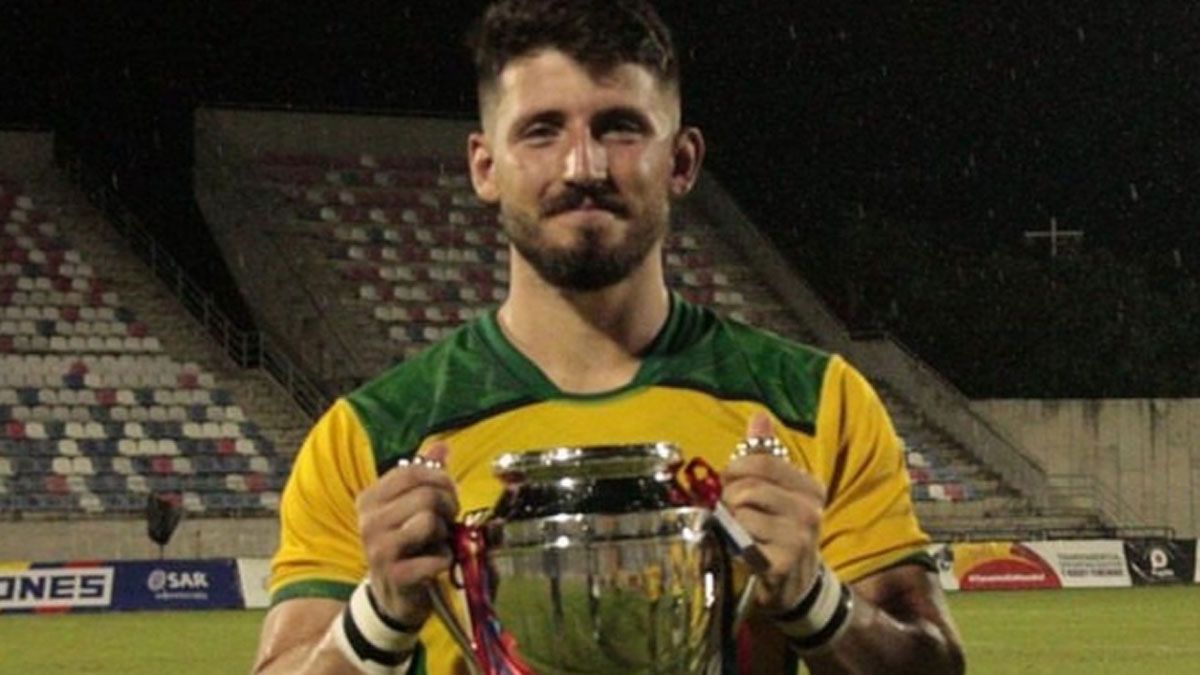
(586, 342)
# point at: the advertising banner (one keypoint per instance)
(124, 585)
(255, 574)
(54, 587)
(177, 584)
(1085, 563)
(1161, 561)
(972, 566)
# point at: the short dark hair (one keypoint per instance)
(600, 34)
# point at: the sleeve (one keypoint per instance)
(870, 522)
(320, 553)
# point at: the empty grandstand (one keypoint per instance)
(110, 391)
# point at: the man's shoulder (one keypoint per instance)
(736, 360)
(787, 352)
(456, 381)
(459, 351)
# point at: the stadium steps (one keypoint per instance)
(262, 399)
(343, 309)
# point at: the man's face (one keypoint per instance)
(582, 164)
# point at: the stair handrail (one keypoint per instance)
(241, 182)
(245, 348)
(1104, 498)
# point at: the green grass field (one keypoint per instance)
(1145, 630)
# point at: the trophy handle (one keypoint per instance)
(444, 610)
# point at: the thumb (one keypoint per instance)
(760, 426)
(437, 452)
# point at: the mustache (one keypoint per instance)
(572, 197)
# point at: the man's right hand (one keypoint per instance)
(406, 521)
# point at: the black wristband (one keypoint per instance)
(387, 620)
(371, 642)
(824, 636)
(806, 603)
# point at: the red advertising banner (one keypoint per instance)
(1001, 566)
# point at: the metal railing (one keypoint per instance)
(245, 348)
(235, 189)
(1101, 497)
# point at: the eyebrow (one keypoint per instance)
(625, 113)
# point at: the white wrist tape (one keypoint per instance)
(370, 641)
(821, 616)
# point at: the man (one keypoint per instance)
(583, 150)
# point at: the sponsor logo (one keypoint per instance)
(177, 585)
(1160, 563)
(1002, 565)
(56, 588)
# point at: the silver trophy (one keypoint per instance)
(595, 560)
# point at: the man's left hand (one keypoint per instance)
(780, 506)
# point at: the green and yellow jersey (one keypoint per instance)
(700, 382)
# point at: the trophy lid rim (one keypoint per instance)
(640, 459)
(557, 529)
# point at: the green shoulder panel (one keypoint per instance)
(733, 361)
(475, 373)
(451, 384)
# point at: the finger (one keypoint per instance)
(438, 452)
(421, 537)
(780, 543)
(402, 479)
(800, 507)
(771, 470)
(423, 534)
(412, 571)
(375, 517)
(760, 426)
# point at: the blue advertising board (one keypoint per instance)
(177, 584)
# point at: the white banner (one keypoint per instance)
(1086, 563)
(255, 575)
(56, 588)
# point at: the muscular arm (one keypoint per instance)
(296, 640)
(899, 624)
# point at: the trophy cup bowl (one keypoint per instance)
(597, 563)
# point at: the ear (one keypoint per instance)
(689, 155)
(479, 158)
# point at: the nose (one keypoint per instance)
(586, 160)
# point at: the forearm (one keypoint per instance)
(319, 658)
(876, 642)
(325, 637)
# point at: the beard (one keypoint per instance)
(588, 263)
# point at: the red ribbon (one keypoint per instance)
(495, 649)
(703, 486)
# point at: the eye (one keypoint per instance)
(539, 132)
(621, 128)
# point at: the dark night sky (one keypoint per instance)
(978, 122)
(966, 125)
